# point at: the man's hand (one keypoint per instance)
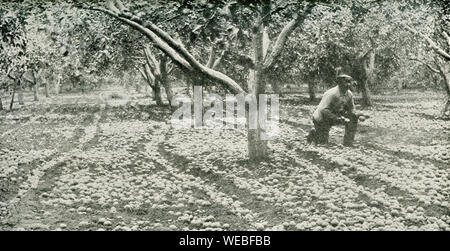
(344, 120)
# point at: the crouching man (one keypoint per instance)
(336, 108)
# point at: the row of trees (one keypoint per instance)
(369, 40)
(58, 46)
(235, 46)
(366, 19)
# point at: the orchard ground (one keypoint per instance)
(109, 161)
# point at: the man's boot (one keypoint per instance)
(311, 136)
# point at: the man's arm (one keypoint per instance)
(322, 111)
(330, 116)
(352, 111)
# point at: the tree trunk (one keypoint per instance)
(20, 94)
(369, 67)
(157, 94)
(168, 88)
(35, 92)
(366, 99)
(312, 91)
(126, 86)
(1, 103)
(58, 85)
(46, 90)
(257, 148)
(164, 80)
(146, 89)
(445, 113)
(35, 76)
(12, 97)
(35, 86)
(186, 80)
(445, 73)
(190, 87)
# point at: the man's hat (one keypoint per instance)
(344, 76)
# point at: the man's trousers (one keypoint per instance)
(321, 131)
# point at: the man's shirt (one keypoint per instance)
(335, 102)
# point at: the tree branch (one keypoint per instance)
(170, 67)
(447, 37)
(120, 6)
(431, 43)
(8, 73)
(150, 75)
(152, 70)
(178, 47)
(142, 73)
(151, 61)
(272, 12)
(173, 49)
(212, 55)
(35, 74)
(363, 54)
(441, 69)
(219, 59)
(163, 46)
(111, 6)
(29, 80)
(426, 64)
(283, 36)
